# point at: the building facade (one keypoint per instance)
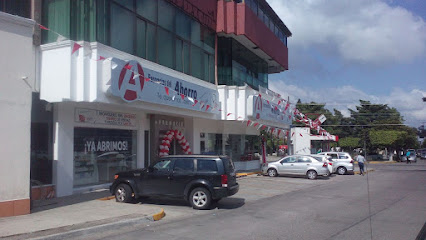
(120, 83)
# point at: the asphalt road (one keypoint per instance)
(389, 203)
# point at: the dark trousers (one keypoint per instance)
(361, 168)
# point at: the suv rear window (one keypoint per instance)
(206, 165)
(228, 164)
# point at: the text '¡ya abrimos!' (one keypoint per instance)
(105, 146)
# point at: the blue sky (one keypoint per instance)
(345, 50)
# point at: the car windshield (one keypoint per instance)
(318, 158)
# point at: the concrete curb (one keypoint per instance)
(81, 229)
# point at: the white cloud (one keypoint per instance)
(367, 31)
(409, 104)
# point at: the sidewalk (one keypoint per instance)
(73, 213)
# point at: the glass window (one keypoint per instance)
(101, 153)
(122, 24)
(141, 38)
(196, 34)
(214, 144)
(303, 160)
(179, 55)
(186, 58)
(260, 14)
(126, 3)
(166, 51)
(183, 25)
(204, 165)
(206, 67)
(151, 43)
(209, 40)
(196, 62)
(289, 160)
(147, 9)
(211, 69)
(184, 165)
(167, 17)
(163, 165)
(57, 18)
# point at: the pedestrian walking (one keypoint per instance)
(361, 160)
(408, 157)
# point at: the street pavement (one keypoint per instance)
(86, 216)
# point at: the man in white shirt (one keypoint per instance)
(361, 160)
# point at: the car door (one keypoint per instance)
(156, 180)
(182, 174)
(302, 165)
(286, 165)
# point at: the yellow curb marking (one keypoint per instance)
(159, 215)
(246, 174)
(106, 198)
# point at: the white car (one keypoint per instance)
(297, 165)
(342, 162)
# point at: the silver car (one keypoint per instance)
(412, 158)
(297, 165)
(342, 162)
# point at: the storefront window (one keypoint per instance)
(100, 153)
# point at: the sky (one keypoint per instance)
(342, 51)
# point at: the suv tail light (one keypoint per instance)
(224, 180)
(331, 164)
(325, 164)
(352, 161)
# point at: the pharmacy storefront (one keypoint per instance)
(117, 114)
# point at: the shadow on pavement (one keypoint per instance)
(225, 203)
(46, 204)
(230, 203)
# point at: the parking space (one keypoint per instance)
(252, 188)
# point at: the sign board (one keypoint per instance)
(261, 109)
(129, 82)
(104, 117)
(318, 121)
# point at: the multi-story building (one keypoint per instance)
(120, 82)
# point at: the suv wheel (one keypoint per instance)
(341, 170)
(272, 172)
(123, 193)
(200, 198)
(311, 174)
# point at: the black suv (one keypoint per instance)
(199, 179)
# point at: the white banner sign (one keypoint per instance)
(129, 82)
(261, 109)
(105, 117)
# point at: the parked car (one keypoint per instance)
(199, 179)
(342, 162)
(339, 156)
(297, 165)
(324, 158)
(412, 157)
